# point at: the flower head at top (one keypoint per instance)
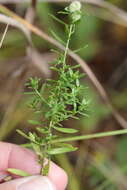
(74, 10)
(74, 6)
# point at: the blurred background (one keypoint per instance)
(99, 164)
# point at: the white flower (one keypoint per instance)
(74, 6)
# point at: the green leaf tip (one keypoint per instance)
(61, 150)
(18, 172)
(34, 122)
(66, 130)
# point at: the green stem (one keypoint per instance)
(91, 136)
(67, 44)
(47, 146)
(42, 160)
(50, 134)
(84, 137)
(39, 95)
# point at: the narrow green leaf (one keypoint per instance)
(42, 130)
(22, 133)
(77, 82)
(54, 68)
(57, 37)
(57, 19)
(34, 122)
(61, 150)
(74, 117)
(65, 145)
(32, 136)
(77, 50)
(63, 12)
(36, 148)
(75, 66)
(29, 93)
(18, 172)
(65, 130)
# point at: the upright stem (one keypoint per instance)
(49, 142)
(47, 146)
(67, 44)
(42, 160)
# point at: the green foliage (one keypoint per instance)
(57, 100)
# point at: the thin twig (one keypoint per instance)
(83, 64)
(4, 34)
(13, 22)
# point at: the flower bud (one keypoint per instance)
(74, 6)
(75, 17)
